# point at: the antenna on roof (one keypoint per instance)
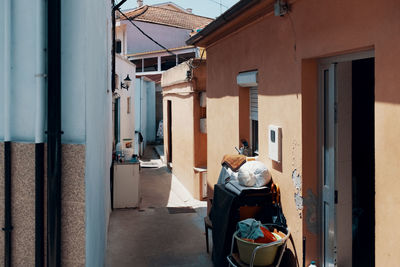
(140, 3)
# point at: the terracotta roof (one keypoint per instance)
(165, 16)
(171, 6)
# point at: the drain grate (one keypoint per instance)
(177, 210)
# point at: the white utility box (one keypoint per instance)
(275, 143)
(126, 188)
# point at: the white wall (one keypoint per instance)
(124, 67)
(120, 34)
(86, 96)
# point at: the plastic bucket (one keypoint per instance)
(265, 254)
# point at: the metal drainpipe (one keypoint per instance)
(7, 136)
(113, 48)
(54, 134)
(7, 204)
(113, 10)
(39, 133)
(113, 86)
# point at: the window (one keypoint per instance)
(150, 64)
(254, 137)
(253, 92)
(128, 105)
(118, 46)
(248, 106)
(116, 81)
(185, 57)
(168, 62)
(138, 63)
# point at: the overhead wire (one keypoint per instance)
(130, 19)
(218, 3)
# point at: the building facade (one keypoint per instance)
(123, 100)
(185, 128)
(86, 142)
(155, 42)
(325, 74)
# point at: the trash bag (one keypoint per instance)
(254, 174)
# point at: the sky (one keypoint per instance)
(206, 8)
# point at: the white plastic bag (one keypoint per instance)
(254, 173)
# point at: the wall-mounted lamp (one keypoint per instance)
(126, 83)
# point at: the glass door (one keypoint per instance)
(328, 74)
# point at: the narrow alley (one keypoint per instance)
(166, 230)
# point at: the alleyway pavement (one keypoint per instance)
(166, 230)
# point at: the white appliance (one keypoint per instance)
(126, 185)
(274, 143)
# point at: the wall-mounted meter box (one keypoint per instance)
(275, 143)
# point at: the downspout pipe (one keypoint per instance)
(7, 135)
(113, 48)
(39, 132)
(114, 9)
(54, 134)
(113, 85)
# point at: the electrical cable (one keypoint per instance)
(219, 3)
(154, 41)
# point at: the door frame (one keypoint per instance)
(169, 130)
(324, 64)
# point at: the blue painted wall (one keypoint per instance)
(145, 109)
(151, 112)
(87, 36)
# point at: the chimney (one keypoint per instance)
(140, 3)
(189, 10)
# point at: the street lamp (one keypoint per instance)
(126, 83)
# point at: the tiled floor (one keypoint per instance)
(150, 235)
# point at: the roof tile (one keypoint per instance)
(168, 17)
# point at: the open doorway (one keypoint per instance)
(363, 163)
(169, 126)
(348, 162)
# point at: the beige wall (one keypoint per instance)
(285, 55)
(182, 139)
(23, 204)
(189, 145)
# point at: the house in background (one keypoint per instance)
(169, 25)
(123, 100)
(185, 128)
(325, 75)
(86, 137)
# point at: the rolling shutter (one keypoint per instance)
(254, 103)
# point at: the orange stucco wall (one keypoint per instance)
(286, 55)
(189, 145)
(182, 139)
